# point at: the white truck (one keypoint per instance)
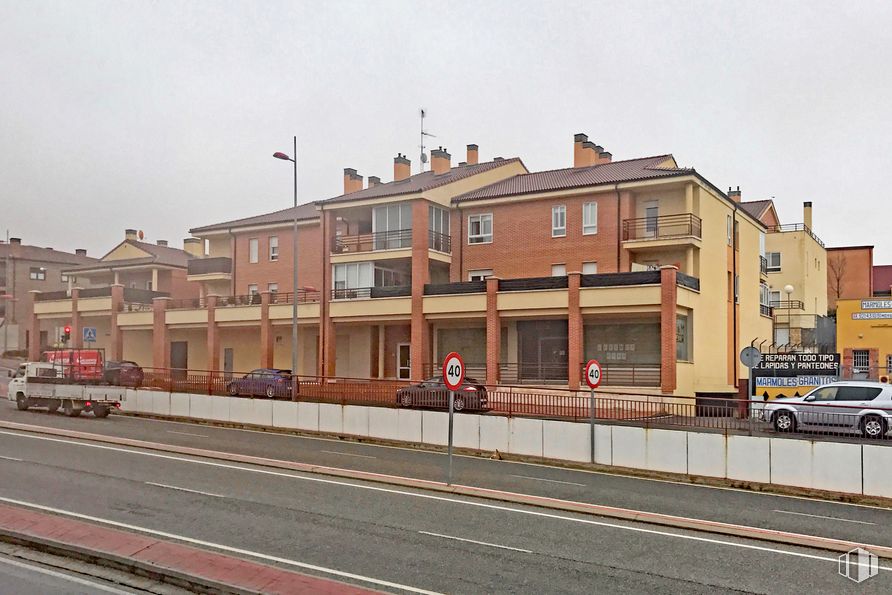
(41, 384)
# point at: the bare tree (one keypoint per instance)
(836, 272)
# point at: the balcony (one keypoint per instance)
(793, 227)
(788, 304)
(763, 266)
(388, 240)
(665, 227)
(765, 310)
(361, 293)
(210, 269)
(131, 295)
(254, 299)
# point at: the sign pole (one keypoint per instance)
(592, 422)
(451, 414)
(453, 377)
(593, 379)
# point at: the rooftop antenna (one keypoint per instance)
(423, 158)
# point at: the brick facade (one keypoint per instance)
(668, 330)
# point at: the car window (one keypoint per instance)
(826, 393)
(857, 393)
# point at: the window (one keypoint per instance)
(761, 243)
(589, 268)
(480, 229)
(392, 226)
(589, 218)
(651, 218)
(764, 299)
(274, 248)
(253, 250)
(861, 360)
(736, 289)
(273, 287)
(558, 270)
(827, 393)
(683, 339)
(774, 298)
(479, 274)
(558, 221)
(149, 285)
(252, 289)
(438, 220)
(353, 275)
(37, 274)
(730, 230)
(888, 364)
(67, 278)
(737, 235)
(774, 261)
(857, 393)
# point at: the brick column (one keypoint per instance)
(327, 341)
(455, 231)
(213, 346)
(77, 335)
(266, 332)
(34, 329)
(669, 303)
(493, 331)
(160, 343)
(626, 211)
(419, 348)
(848, 362)
(574, 331)
(874, 363)
(117, 337)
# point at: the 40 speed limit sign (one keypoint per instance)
(453, 371)
(593, 373)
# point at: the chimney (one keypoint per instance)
(585, 152)
(374, 181)
(194, 246)
(401, 167)
(81, 251)
(440, 161)
(161, 242)
(806, 213)
(472, 155)
(352, 180)
(16, 241)
(130, 234)
(605, 157)
(734, 194)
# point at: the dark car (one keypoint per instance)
(270, 382)
(123, 373)
(470, 396)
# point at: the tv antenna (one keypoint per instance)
(424, 133)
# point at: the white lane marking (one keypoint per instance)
(74, 579)
(467, 502)
(187, 434)
(504, 547)
(222, 547)
(569, 483)
(528, 464)
(820, 516)
(10, 459)
(179, 489)
(348, 454)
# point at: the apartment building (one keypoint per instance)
(23, 269)
(640, 263)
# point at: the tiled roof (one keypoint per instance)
(304, 212)
(756, 207)
(38, 254)
(660, 166)
(423, 181)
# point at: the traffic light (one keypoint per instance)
(66, 334)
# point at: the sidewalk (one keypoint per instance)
(164, 560)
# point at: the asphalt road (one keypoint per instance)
(829, 519)
(27, 578)
(392, 538)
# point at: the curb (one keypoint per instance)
(716, 527)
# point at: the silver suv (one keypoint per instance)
(850, 406)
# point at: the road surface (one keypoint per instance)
(404, 540)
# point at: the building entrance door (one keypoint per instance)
(179, 359)
(403, 362)
(228, 356)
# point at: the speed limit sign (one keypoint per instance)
(593, 373)
(453, 371)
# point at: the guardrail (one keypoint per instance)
(369, 242)
(662, 227)
(795, 227)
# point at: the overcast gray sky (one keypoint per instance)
(163, 115)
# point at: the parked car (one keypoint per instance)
(848, 406)
(470, 396)
(123, 373)
(270, 382)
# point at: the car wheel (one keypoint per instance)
(100, 411)
(458, 403)
(21, 402)
(52, 407)
(69, 410)
(784, 421)
(405, 399)
(271, 391)
(233, 389)
(873, 426)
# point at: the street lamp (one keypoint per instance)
(295, 379)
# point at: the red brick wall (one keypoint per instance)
(522, 245)
(264, 272)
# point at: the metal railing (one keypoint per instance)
(662, 227)
(439, 242)
(131, 294)
(765, 310)
(359, 293)
(763, 265)
(382, 240)
(205, 266)
(795, 227)
(186, 304)
(787, 304)
(533, 373)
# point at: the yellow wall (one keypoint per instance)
(865, 334)
(124, 251)
(804, 266)
(309, 346)
(219, 246)
(197, 339)
(754, 328)
(138, 346)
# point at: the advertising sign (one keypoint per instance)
(794, 374)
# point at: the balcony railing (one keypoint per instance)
(439, 242)
(388, 240)
(207, 266)
(663, 227)
(787, 304)
(131, 294)
(358, 293)
(795, 227)
(764, 310)
(763, 265)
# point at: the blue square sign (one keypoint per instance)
(89, 334)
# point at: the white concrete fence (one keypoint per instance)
(835, 466)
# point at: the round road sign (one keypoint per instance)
(593, 373)
(750, 357)
(453, 371)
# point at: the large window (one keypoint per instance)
(623, 342)
(353, 275)
(774, 261)
(392, 225)
(558, 221)
(274, 248)
(479, 274)
(480, 229)
(590, 218)
(37, 274)
(438, 220)
(253, 250)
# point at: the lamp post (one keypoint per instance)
(788, 289)
(295, 379)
